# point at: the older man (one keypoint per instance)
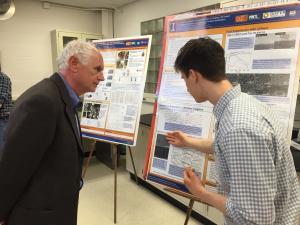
(40, 171)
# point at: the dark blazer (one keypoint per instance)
(40, 170)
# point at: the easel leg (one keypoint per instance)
(135, 174)
(115, 155)
(88, 159)
(188, 212)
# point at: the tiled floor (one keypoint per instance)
(136, 205)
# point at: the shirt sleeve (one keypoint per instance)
(249, 156)
(5, 86)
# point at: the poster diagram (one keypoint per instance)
(261, 43)
(112, 112)
(239, 61)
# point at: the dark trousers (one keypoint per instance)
(3, 124)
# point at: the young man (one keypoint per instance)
(256, 174)
(40, 171)
(5, 104)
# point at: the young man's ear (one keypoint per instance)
(73, 63)
(193, 74)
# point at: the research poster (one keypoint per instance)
(112, 112)
(261, 43)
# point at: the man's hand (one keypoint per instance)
(177, 138)
(193, 183)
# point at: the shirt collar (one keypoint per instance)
(225, 99)
(74, 97)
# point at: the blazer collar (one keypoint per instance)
(68, 106)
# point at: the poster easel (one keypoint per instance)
(191, 197)
(111, 114)
(115, 162)
(114, 148)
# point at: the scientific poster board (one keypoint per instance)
(261, 43)
(112, 112)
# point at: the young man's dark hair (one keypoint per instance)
(203, 55)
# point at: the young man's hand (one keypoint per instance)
(177, 138)
(193, 183)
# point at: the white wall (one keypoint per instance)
(25, 43)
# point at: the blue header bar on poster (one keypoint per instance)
(266, 15)
(106, 138)
(167, 182)
(122, 43)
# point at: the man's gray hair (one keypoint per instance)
(81, 49)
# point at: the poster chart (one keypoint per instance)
(112, 112)
(261, 43)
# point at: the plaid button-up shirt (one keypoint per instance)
(254, 163)
(5, 96)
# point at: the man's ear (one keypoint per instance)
(73, 64)
(193, 74)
